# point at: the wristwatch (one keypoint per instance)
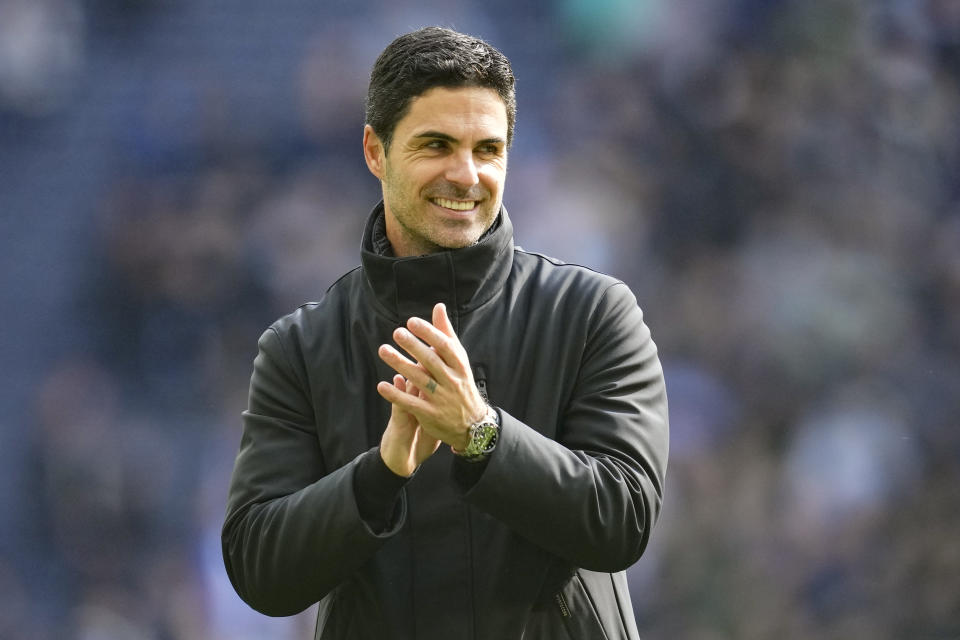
(483, 437)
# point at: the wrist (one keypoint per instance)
(397, 462)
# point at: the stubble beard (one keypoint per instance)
(423, 232)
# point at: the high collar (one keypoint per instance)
(463, 279)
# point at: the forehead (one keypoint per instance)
(462, 112)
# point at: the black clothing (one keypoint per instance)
(531, 544)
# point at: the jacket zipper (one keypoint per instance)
(480, 378)
(564, 609)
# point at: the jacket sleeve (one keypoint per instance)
(592, 495)
(292, 530)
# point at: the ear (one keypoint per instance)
(373, 152)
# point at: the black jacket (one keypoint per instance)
(535, 547)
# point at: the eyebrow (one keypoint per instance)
(439, 135)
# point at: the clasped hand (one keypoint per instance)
(433, 397)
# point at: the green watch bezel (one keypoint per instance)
(483, 437)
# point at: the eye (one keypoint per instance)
(436, 144)
(489, 149)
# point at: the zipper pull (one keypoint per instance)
(480, 378)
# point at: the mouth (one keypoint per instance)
(455, 205)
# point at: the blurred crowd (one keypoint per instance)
(777, 180)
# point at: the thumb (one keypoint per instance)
(395, 411)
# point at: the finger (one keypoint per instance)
(410, 370)
(442, 321)
(409, 403)
(400, 383)
(428, 357)
(449, 349)
(398, 415)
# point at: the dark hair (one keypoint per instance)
(434, 57)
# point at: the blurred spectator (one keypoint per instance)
(42, 47)
(778, 180)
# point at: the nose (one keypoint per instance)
(462, 170)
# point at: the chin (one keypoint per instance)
(458, 240)
(455, 243)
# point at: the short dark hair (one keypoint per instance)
(432, 57)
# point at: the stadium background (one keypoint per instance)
(777, 180)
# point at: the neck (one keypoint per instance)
(463, 279)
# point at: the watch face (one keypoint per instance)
(484, 438)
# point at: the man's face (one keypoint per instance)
(444, 174)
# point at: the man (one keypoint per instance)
(494, 473)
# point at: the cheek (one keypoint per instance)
(492, 177)
(425, 175)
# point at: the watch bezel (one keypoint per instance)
(483, 437)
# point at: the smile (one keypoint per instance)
(456, 205)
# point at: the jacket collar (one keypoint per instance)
(463, 279)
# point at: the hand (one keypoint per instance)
(448, 401)
(404, 445)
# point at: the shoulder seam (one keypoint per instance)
(337, 281)
(560, 263)
(311, 303)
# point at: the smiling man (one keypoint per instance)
(443, 178)
(539, 379)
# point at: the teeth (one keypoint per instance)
(455, 205)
